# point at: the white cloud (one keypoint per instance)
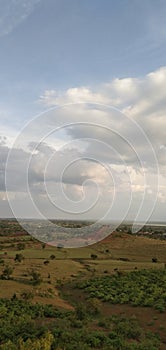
(137, 94)
(90, 143)
(52, 98)
(142, 99)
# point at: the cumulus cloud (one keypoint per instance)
(72, 95)
(141, 99)
(86, 151)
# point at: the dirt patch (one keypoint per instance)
(56, 301)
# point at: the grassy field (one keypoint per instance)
(58, 269)
(119, 251)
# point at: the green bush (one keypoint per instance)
(7, 272)
(19, 257)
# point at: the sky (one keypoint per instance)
(83, 109)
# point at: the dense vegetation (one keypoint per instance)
(24, 326)
(138, 288)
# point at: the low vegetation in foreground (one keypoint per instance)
(24, 326)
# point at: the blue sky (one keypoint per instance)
(109, 52)
(62, 44)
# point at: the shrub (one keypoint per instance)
(93, 256)
(27, 295)
(18, 257)
(52, 256)
(81, 312)
(21, 246)
(46, 262)
(36, 277)
(7, 272)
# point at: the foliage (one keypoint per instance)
(19, 257)
(139, 288)
(52, 256)
(26, 326)
(36, 277)
(93, 256)
(21, 246)
(43, 343)
(27, 295)
(7, 272)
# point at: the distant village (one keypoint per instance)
(157, 231)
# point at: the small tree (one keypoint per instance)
(52, 256)
(27, 295)
(1, 261)
(36, 277)
(18, 258)
(93, 256)
(21, 246)
(93, 306)
(46, 262)
(7, 272)
(81, 311)
(8, 345)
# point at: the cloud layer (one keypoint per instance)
(100, 151)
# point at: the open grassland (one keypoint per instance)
(122, 252)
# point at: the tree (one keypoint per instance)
(46, 262)
(7, 272)
(18, 258)
(81, 312)
(43, 343)
(93, 306)
(21, 246)
(8, 345)
(36, 277)
(27, 295)
(93, 256)
(52, 256)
